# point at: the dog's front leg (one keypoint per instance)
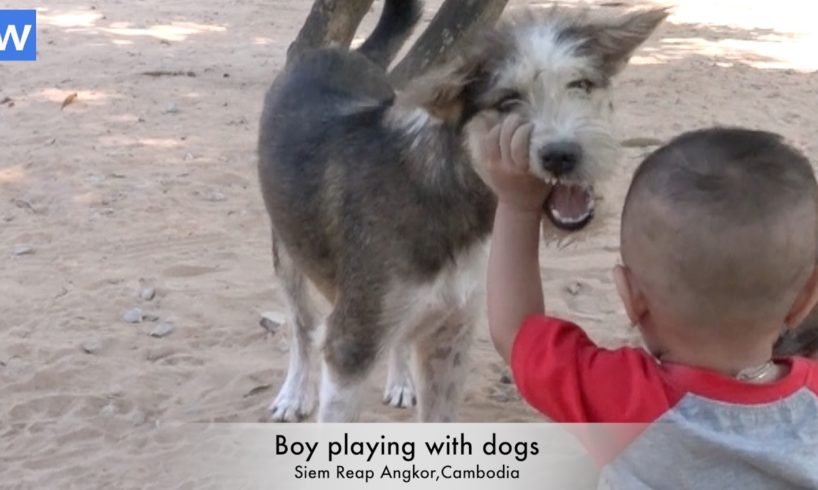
(296, 399)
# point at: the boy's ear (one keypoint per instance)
(632, 298)
(804, 303)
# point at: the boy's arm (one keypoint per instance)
(557, 368)
(514, 290)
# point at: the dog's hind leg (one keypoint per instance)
(297, 397)
(441, 365)
(353, 342)
(400, 390)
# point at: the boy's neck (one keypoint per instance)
(713, 355)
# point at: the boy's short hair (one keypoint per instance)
(722, 224)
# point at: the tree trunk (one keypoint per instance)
(454, 20)
(330, 23)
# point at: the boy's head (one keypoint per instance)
(719, 240)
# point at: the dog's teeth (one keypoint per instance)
(577, 219)
(573, 221)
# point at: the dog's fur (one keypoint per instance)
(376, 202)
(801, 341)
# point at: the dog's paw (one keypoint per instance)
(400, 394)
(292, 405)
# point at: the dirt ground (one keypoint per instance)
(147, 179)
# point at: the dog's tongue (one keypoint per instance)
(569, 206)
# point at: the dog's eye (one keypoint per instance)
(508, 101)
(583, 84)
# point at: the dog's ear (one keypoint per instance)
(445, 91)
(616, 41)
(442, 92)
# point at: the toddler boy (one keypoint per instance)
(719, 241)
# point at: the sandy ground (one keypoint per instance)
(149, 181)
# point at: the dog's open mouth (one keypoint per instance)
(570, 205)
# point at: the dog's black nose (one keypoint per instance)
(561, 157)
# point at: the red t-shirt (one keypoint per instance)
(567, 377)
(663, 418)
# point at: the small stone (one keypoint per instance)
(137, 418)
(506, 379)
(91, 346)
(500, 396)
(282, 346)
(150, 317)
(162, 330)
(641, 142)
(574, 288)
(154, 355)
(114, 391)
(16, 366)
(147, 294)
(170, 109)
(213, 196)
(134, 315)
(23, 250)
(272, 321)
(256, 390)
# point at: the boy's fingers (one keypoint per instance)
(520, 143)
(510, 124)
(491, 145)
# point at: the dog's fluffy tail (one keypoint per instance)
(397, 20)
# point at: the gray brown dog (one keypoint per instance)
(377, 202)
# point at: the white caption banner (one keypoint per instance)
(385, 456)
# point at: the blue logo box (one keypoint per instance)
(18, 35)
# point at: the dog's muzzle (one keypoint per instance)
(570, 205)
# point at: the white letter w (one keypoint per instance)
(11, 32)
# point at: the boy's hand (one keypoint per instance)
(506, 155)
